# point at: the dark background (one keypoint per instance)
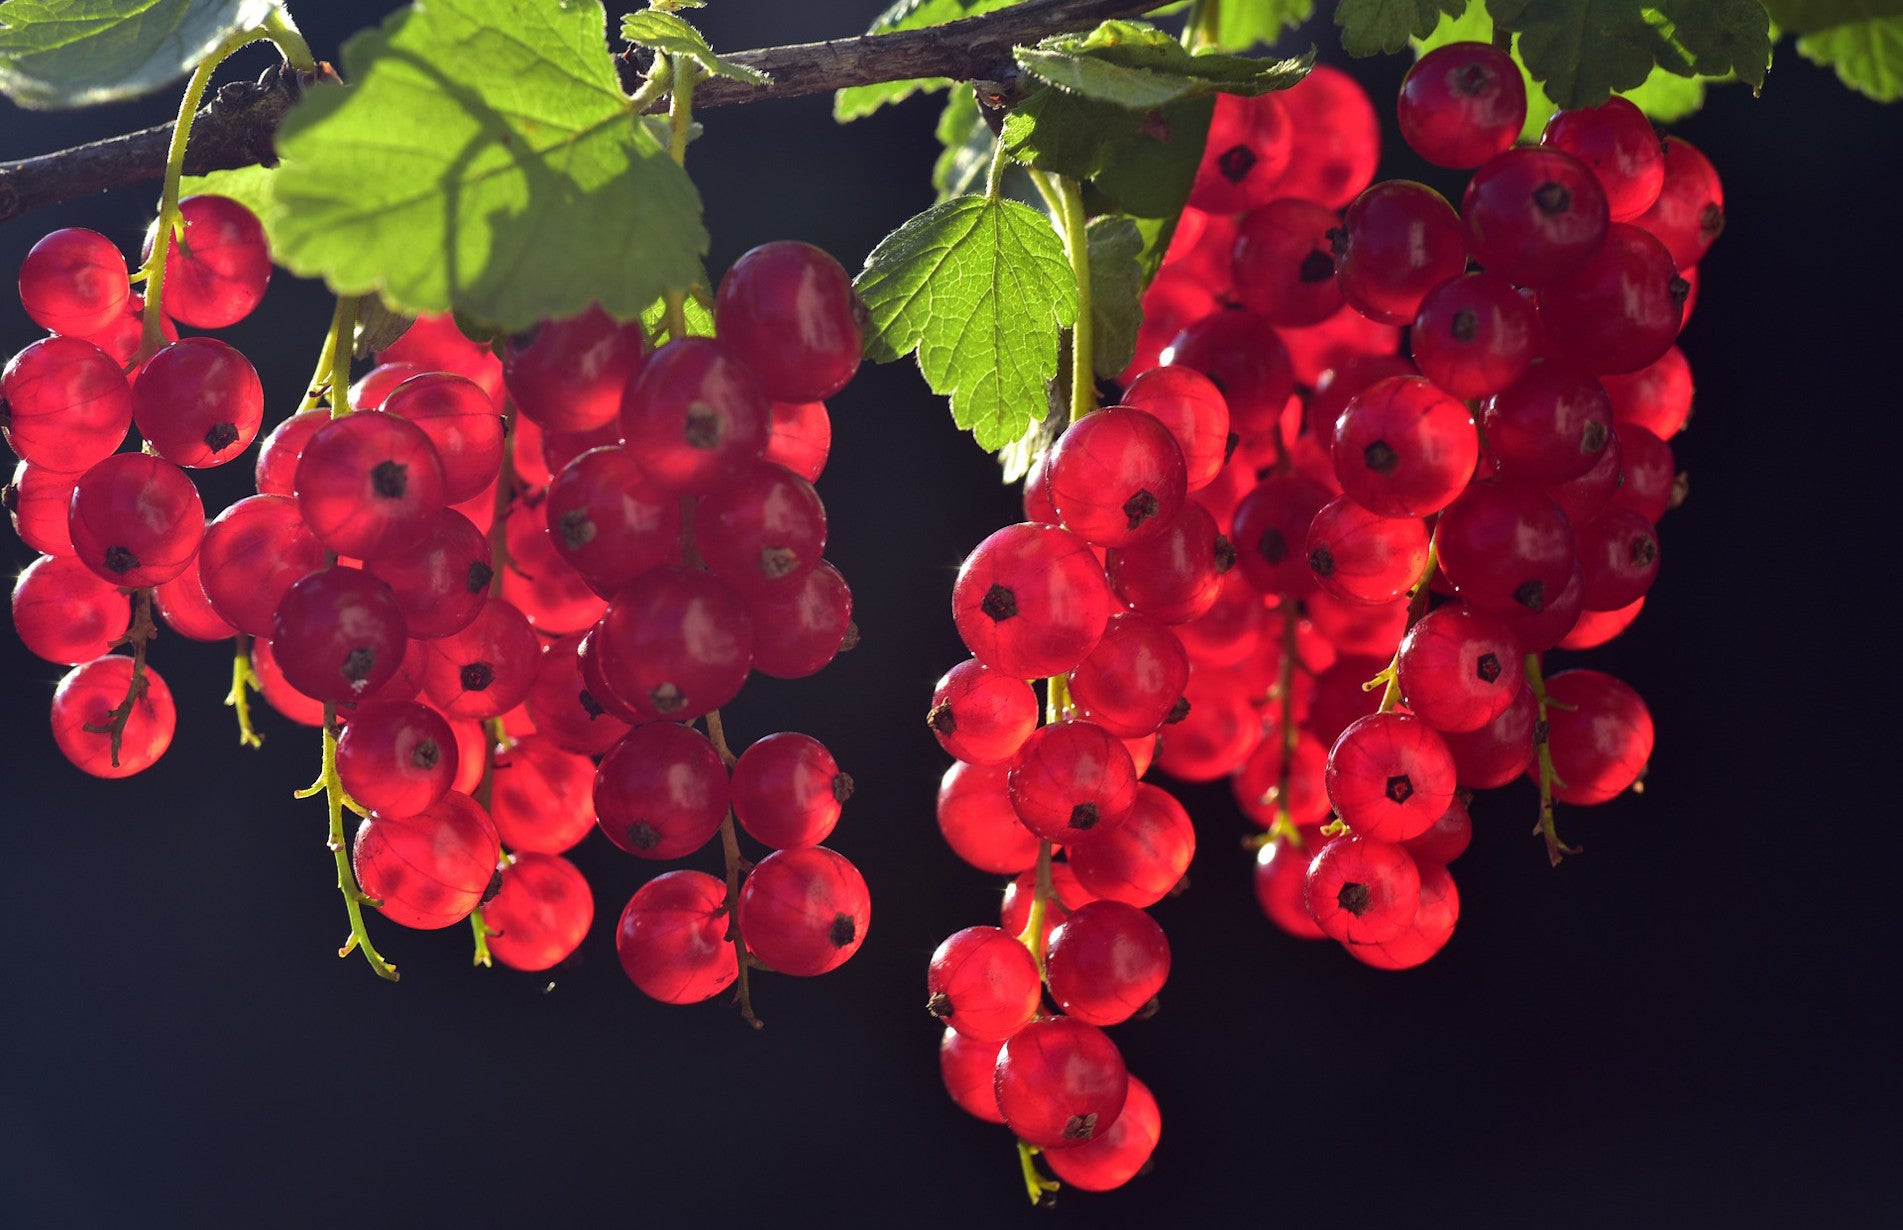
(1692, 1022)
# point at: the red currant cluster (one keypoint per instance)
(478, 606)
(1513, 461)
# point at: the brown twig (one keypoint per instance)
(237, 127)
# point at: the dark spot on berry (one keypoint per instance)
(1400, 788)
(1354, 898)
(850, 641)
(1150, 1008)
(703, 427)
(1322, 561)
(1464, 325)
(1644, 551)
(1236, 162)
(1680, 290)
(1083, 816)
(842, 787)
(1380, 457)
(120, 561)
(1532, 596)
(939, 1005)
(426, 754)
(480, 574)
(1139, 508)
(359, 662)
(778, 562)
(667, 699)
(477, 676)
(1681, 488)
(1178, 711)
(390, 479)
(577, 530)
(1593, 437)
(1488, 667)
(10, 497)
(1317, 266)
(842, 930)
(221, 436)
(1337, 238)
(1080, 1127)
(642, 836)
(1472, 80)
(1225, 553)
(1553, 199)
(1272, 546)
(942, 719)
(999, 603)
(1229, 445)
(1711, 221)
(489, 893)
(589, 704)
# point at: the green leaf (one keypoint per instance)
(672, 35)
(857, 101)
(1116, 292)
(1241, 24)
(76, 53)
(700, 321)
(1144, 162)
(967, 142)
(1861, 39)
(1666, 97)
(485, 161)
(1139, 67)
(1722, 37)
(254, 187)
(1582, 51)
(1370, 27)
(980, 289)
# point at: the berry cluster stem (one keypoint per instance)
(1283, 828)
(137, 636)
(243, 682)
(335, 800)
(343, 340)
(1389, 680)
(736, 870)
(1556, 850)
(1039, 1188)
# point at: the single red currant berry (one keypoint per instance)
(74, 282)
(966, 1066)
(1435, 913)
(1398, 241)
(430, 870)
(1390, 776)
(1117, 477)
(983, 983)
(1461, 104)
(1600, 733)
(662, 791)
(982, 716)
(1361, 556)
(1031, 601)
(64, 404)
(976, 820)
(1281, 884)
(65, 614)
(1534, 216)
(1459, 668)
(83, 706)
(540, 914)
(368, 483)
(216, 273)
(338, 635)
(136, 520)
(1060, 1082)
(1142, 859)
(788, 790)
(1362, 891)
(568, 375)
(1107, 961)
(1619, 143)
(790, 310)
(543, 797)
(672, 938)
(804, 911)
(1403, 448)
(1071, 779)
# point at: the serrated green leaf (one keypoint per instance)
(1372, 27)
(700, 321)
(1143, 162)
(1722, 37)
(980, 289)
(77, 53)
(672, 35)
(1861, 39)
(1116, 292)
(966, 141)
(1583, 51)
(857, 101)
(1666, 97)
(1139, 67)
(485, 160)
(1241, 24)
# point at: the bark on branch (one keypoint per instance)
(236, 128)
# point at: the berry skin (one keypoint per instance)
(662, 792)
(1690, 211)
(1060, 1082)
(198, 402)
(486, 668)
(1444, 841)
(1247, 150)
(562, 707)
(1600, 734)
(1270, 531)
(1461, 104)
(761, 531)
(1177, 575)
(1435, 914)
(1120, 1154)
(65, 614)
(801, 437)
(788, 790)
(1618, 559)
(1398, 241)
(798, 631)
(976, 820)
(1190, 405)
(1621, 310)
(1244, 357)
(1459, 668)
(1619, 144)
(461, 423)
(1475, 335)
(1390, 776)
(544, 797)
(1403, 448)
(1070, 780)
(136, 520)
(1030, 601)
(672, 938)
(1362, 891)
(397, 759)
(1498, 752)
(966, 1066)
(675, 644)
(36, 503)
(609, 521)
(1133, 681)
(338, 635)
(1505, 549)
(540, 914)
(982, 716)
(252, 553)
(430, 870)
(983, 983)
(789, 309)
(440, 576)
(568, 375)
(1549, 426)
(1117, 477)
(1363, 557)
(217, 275)
(88, 694)
(804, 911)
(1106, 961)
(1657, 397)
(368, 483)
(694, 417)
(1281, 884)
(74, 282)
(1534, 216)
(67, 405)
(1142, 859)
(1336, 138)
(1284, 262)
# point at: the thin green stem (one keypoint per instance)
(737, 869)
(680, 107)
(1199, 28)
(319, 387)
(1389, 680)
(994, 178)
(1083, 379)
(343, 332)
(168, 224)
(282, 31)
(334, 800)
(1556, 850)
(1039, 1188)
(243, 682)
(1032, 937)
(659, 79)
(480, 927)
(1283, 828)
